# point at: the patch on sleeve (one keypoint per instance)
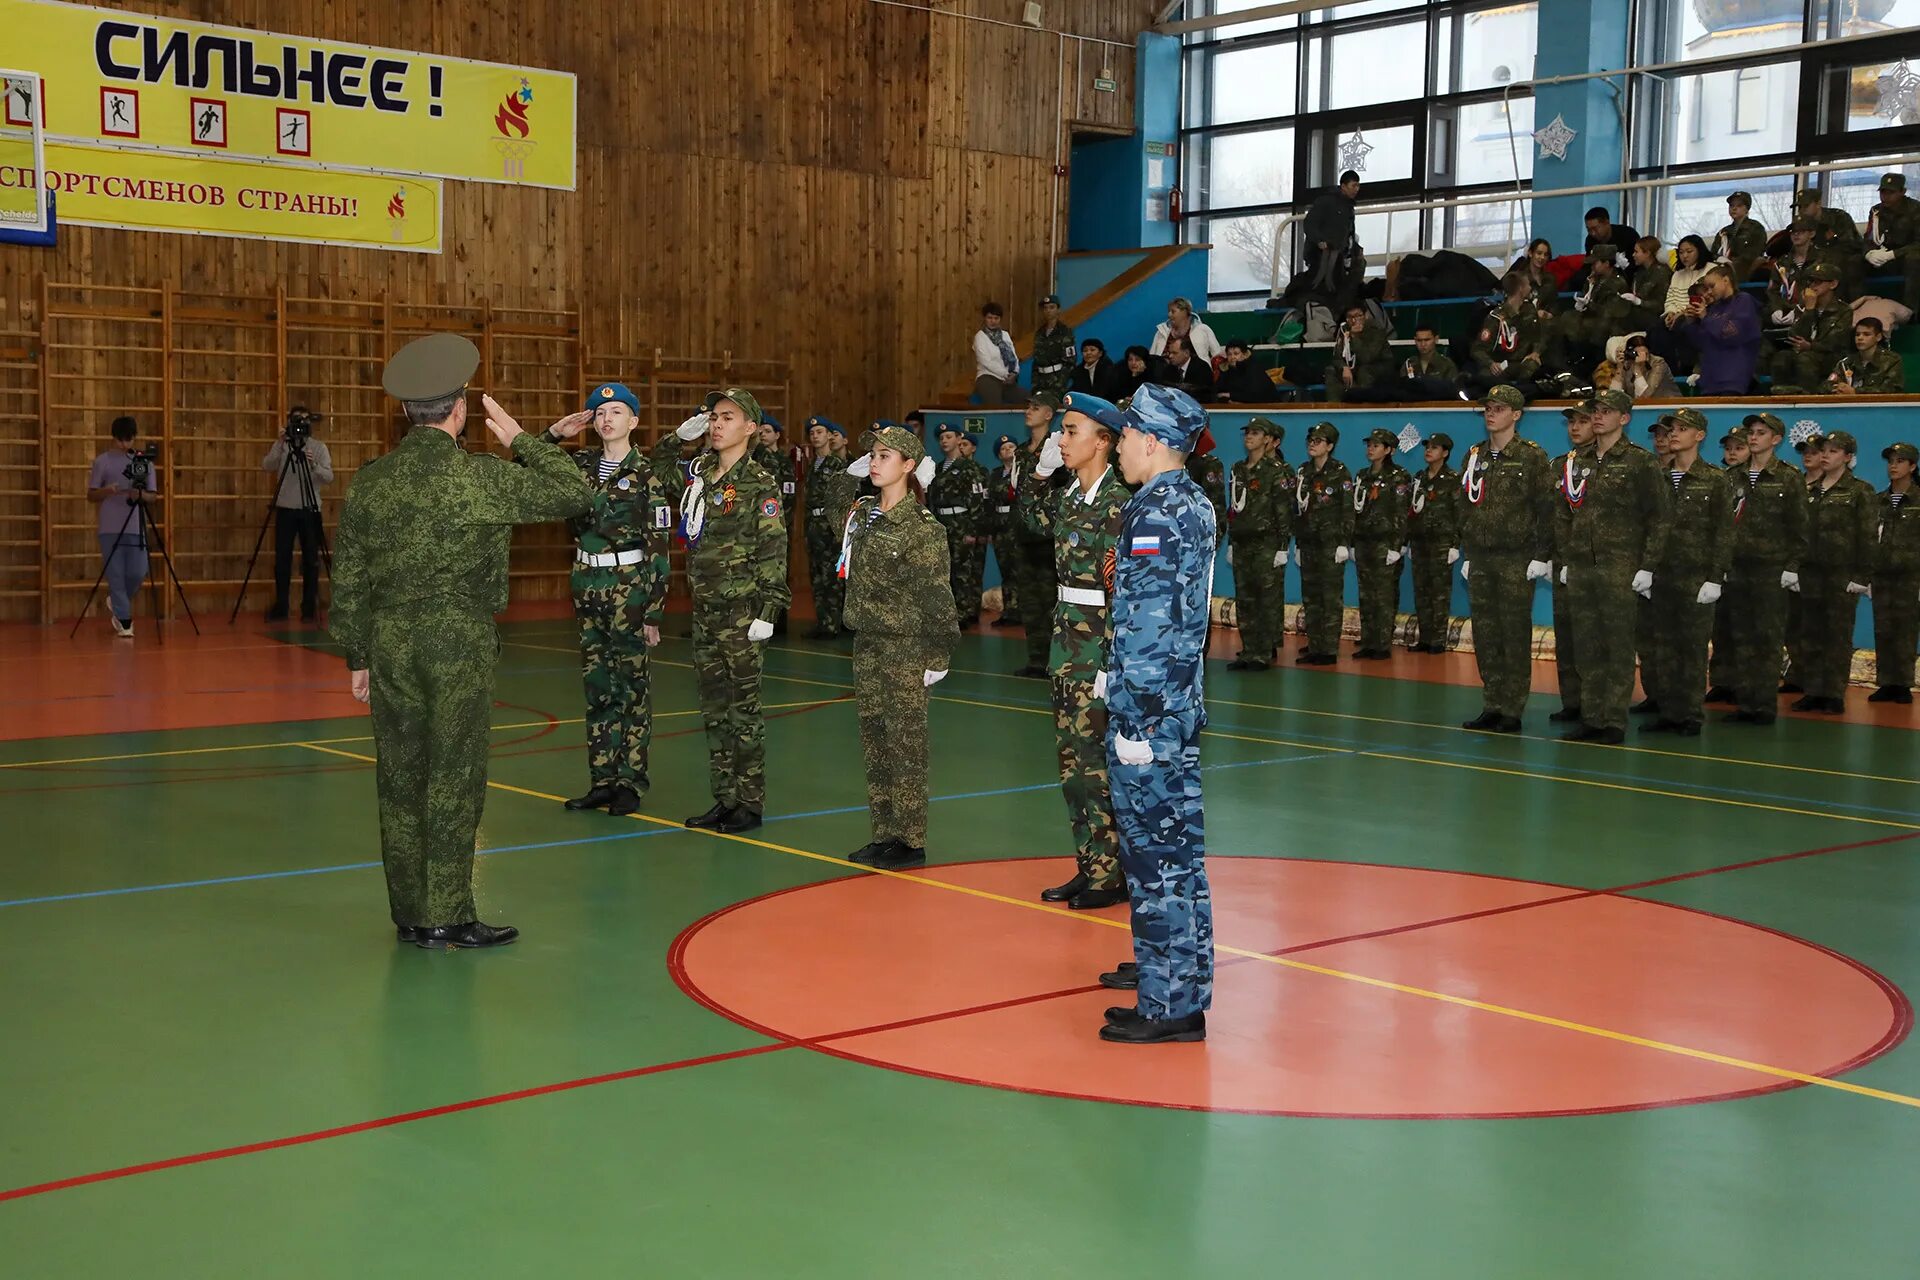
(663, 517)
(1145, 544)
(770, 507)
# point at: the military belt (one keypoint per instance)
(949, 511)
(1049, 368)
(1003, 509)
(608, 559)
(817, 511)
(1086, 596)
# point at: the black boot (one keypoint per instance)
(737, 819)
(898, 856)
(1065, 892)
(470, 936)
(625, 801)
(1124, 978)
(1566, 715)
(1157, 1030)
(712, 818)
(1094, 899)
(599, 797)
(1485, 720)
(866, 853)
(1807, 702)
(1892, 693)
(1719, 694)
(1644, 707)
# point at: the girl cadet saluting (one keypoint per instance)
(619, 593)
(900, 608)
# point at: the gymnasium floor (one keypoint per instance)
(1487, 1007)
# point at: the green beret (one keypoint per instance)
(1691, 419)
(1323, 431)
(431, 368)
(1507, 395)
(740, 396)
(1268, 425)
(1900, 449)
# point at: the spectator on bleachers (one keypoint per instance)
(1724, 327)
(1646, 293)
(1690, 265)
(1642, 374)
(996, 369)
(1243, 381)
(1601, 229)
(1362, 357)
(1183, 322)
(1893, 236)
(1787, 274)
(1577, 339)
(1742, 242)
(1095, 375)
(1136, 367)
(1332, 255)
(1182, 367)
(1871, 370)
(1427, 374)
(1838, 237)
(1822, 333)
(1544, 286)
(1508, 348)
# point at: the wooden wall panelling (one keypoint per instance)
(533, 369)
(21, 538)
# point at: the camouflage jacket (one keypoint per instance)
(1650, 284)
(1211, 475)
(1829, 329)
(778, 463)
(830, 492)
(1616, 509)
(1437, 365)
(1842, 521)
(1896, 554)
(1054, 355)
(1839, 235)
(1034, 499)
(1368, 354)
(1323, 505)
(1085, 526)
(1001, 500)
(897, 578)
(1433, 509)
(1260, 501)
(1785, 278)
(736, 538)
(670, 467)
(1880, 374)
(1509, 341)
(1506, 501)
(1699, 530)
(426, 529)
(1380, 497)
(630, 512)
(958, 496)
(1163, 570)
(1769, 518)
(1893, 226)
(1603, 300)
(1742, 244)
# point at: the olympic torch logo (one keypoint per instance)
(397, 215)
(514, 127)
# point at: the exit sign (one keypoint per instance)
(1104, 85)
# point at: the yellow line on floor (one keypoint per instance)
(1483, 1006)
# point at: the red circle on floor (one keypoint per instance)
(949, 983)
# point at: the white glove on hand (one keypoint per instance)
(1709, 593)
(1393, 557)
(1279, 559)
(1100, 684)
(1563, 575)
(1632, 299)
(1466, 569)
(758, 631)
(1229, 555)
(694, 428)
(1127, 751)
(932, 678)
(1453, 555)
(1579, 304)
(1791, 581)
(1879, 257)
(1783, 317)
(1643, 584)
(861, 467)
(1050, 459)
(1342, 554)
(1856, 588)
(1538, 569)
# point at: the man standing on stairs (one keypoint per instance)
(1053, 350)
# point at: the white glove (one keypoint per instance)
(1127, 751)
(1709, 593)
(1538, 569)
(1453, 555)
(1692, 379)
(1856, 588)
(1279, 558)
(1342, 554)
(1100, 684)
(1879, 257)
(1563, 575)
(1783, 317)
(1050, 459)
(1579, 304)
(861, 467)
(1632, 298)
(1229, 555)
(1791, 581)
(1466, 568)
(758, 630)
(1393, 557)
(695, 427)
(932, 678)
(1643, 584)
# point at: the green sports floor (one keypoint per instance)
(1487, 1006)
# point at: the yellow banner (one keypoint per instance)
(150, 191)
(132, 80)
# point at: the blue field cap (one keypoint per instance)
(1171, 416)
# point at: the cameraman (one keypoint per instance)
(291, 518)
(122, 523)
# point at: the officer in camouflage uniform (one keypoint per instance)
(1085, 522)
(1742, 242)
(1001, 524)
(900, 608)
(620, 573)
(1380, 497)
(1842, 520)
(737, 575)
(1837, 237)
(1893, 236)
(1565, 643)
(420, 569)
(1896, 579)
(830, 495)
(1821, 334)
(1506, 490)
(1871, 370)
(1260, 525)
(958, 497)
(1035, 495)
(1322, 533)
(1689, 579)
(1054, 353)
(1433, 541)
(1156, 709)
(1769, 539)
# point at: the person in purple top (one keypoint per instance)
(122, 523)
(1725, 328)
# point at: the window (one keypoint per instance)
(1750, 98)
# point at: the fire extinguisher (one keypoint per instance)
(1173, 204)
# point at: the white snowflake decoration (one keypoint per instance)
(1899, 89)
(1803, 431)
(1353, 152)
(1409, 438)
(1554, 139)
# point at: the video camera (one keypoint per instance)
(300, 424)
(140, 465)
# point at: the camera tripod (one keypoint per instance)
(302, 471)
(151, 533)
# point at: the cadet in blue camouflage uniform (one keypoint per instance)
(620, 571)
(419, 571)
(1322, 531)
(830, 494)
(1380, 496)
(1156, 709)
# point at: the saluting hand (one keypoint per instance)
(500, 422)
(571, 425)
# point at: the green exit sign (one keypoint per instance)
(1104, 85)
(975, 426)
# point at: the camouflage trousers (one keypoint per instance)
(1720, 668)
(1501, 600)
(1322, 591)
(1673, 665)
(1163, 852)
(966, 571)
(1080, 737)
(1003, 554)
(823, 558)
(1566, 654)
(1033, 564)
(1827, 611)
(1756, 605)
(1606, 610)
(1259, 594)
(432, 698)
(613, 656)
(1379, 584)
(892, 702)
(1896, 629)
(726, 668)
(1796, 638)
(1432, 591)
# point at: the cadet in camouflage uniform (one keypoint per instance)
(1577, 338)
(900, 608)
(419, 570)
(1769, 539)
(1819, 337)
(1837, 237)
(1896, 579)
(1362, 357)
(1210, 474)
(1509, 348)
(1565, 642)
(620, 573)
(830, 495)
(1001, 524)
(1506, 541)
(1433, 541)
(958, 497)
(1054, 353)
(1689, 579)
(1380, 497)
(1733, 461)
(1647, 286)
(1893, 236)
(1085, 522)
(1156, 709)
(1742, 243)
(1260, 525)
(1871, 370)
(1787, 273)
(1322, 532)
(737, 575)
(1034, 497)
(1842, 519)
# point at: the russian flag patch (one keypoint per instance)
(1149, 546)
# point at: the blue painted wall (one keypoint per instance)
(1106, 202)
(1075, 277)
(1583, 35)
(1134, 315)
